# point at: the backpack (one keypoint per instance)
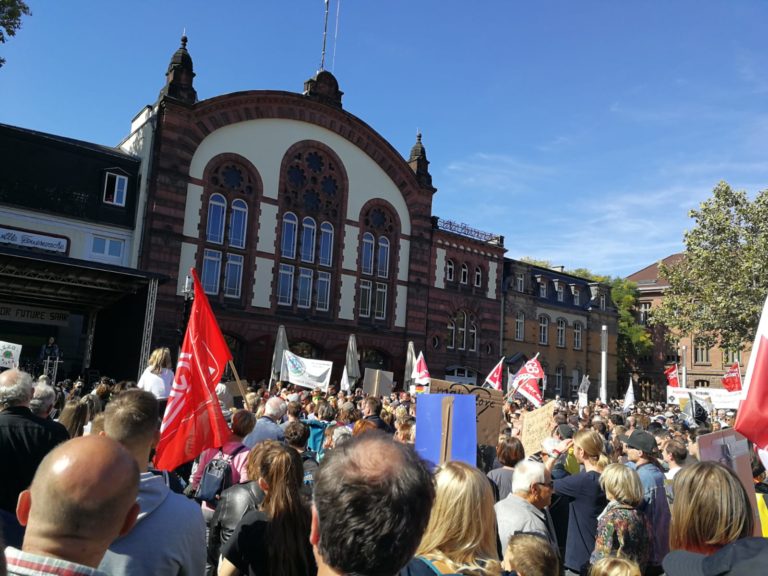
(216, 477)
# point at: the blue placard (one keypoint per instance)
(430, 425)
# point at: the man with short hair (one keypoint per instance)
(525, 509)
(640, 448)
(268, 427)
(25, 439)
(296, 436)
(675, 454)
(169, 536)
(372, 501)
(83, 496)
(372, 411)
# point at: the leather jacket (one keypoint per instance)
(235, 501)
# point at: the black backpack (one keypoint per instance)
(216, 477)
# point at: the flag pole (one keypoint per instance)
(237, 379)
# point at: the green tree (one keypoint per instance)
(716, 292)
(633, 339)
(11, 12)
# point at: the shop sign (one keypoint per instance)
(32, 240)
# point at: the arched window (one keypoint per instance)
(478, 277)
(382, 266)
(308, 230)
(326, 244)
(560, 333)
(451, 341)
(217, 207)
(520, 326)
(288, 243)
(559, 375)
(543, 330)
(238, 221)
(211, 271)
(472, 336)
(464, 274)
(366, 257)
(577, 336)
(449, 270)
(461, 325)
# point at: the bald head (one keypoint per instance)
(16, 388)
(84, 491)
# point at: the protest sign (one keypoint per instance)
(720, 397)
(377, 382)
(489, 405)
(9, 354)
(537, 427)
(446, 425)
(730, 449)
(306, 372)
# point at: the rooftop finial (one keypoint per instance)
(184, 39)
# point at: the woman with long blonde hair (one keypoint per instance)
(158, 376)
(586, 498)
(461, 533)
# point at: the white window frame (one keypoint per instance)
(472, 336)
(120, 192)
(323, 291)
(577, 297)
(304, 289)
(560, 292)
(308, 235)
(464, 274)
(380, 301)
(234, 265)
(559, 373)
(478, 277)
(364, 307)
(382, 262)
(561, 324)
(104, 255)
(217, 211)
(520, 282)
(288, 238)
(451, 341)
(544, 330)
(461, 332)
(239, 212)
(325, 257)
(602, 301)
(366, 254)
(211, 258)
(577, 335)
(285, 275)
(644, 312)
(449, 270)
(520, 326)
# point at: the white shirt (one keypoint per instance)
(158, 384)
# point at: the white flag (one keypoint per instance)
(344, 381)
(629, 399)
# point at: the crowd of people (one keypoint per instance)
(329, 482)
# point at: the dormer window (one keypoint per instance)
(115, 189)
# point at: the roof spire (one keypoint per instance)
(419, 163)
(178, 78)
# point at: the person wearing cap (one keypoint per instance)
(640, 447)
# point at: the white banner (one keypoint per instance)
(32, 240)
(33, 315)
(720, 397)
(9, 354)
(305, 371)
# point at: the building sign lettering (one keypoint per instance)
(31, 240)
(33, 315)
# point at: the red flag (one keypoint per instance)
(732, 378)
(753, 408)
(526, 379)
(496, 375)
(193, 420)
(420, 371)
(672, 378)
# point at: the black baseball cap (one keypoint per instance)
(744, 557)
(640, 440)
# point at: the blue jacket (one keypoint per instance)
(656, 509)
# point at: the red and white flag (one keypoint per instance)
(496, 376)
(672, 377)
(420, 371)
(732, 378)
(193, 420)
(753, 408)
(526, 381)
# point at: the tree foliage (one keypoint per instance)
(11, 12)
(716, 292)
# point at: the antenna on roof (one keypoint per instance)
(336, 35)
(325, 34)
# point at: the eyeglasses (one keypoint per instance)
(549, 484)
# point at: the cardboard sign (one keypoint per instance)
(537, 427)
(730, 449)
(377, 382)
(446, 428)
(9, 354)
(489, 404)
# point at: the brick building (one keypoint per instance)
(704, 366)
(560, 316)
(296, 212)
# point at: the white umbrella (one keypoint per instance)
(281, 345)
(410, 361)
(352, 363)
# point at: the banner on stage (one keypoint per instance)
(306, 372)
(9, 354)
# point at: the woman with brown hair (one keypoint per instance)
(509, 452)
(273, 540)
(75, 416)
(461, 534)
(586, 498)
(711, 508)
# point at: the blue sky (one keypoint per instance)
(583, 132)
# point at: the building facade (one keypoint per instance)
(699, 365)
(560, 317)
